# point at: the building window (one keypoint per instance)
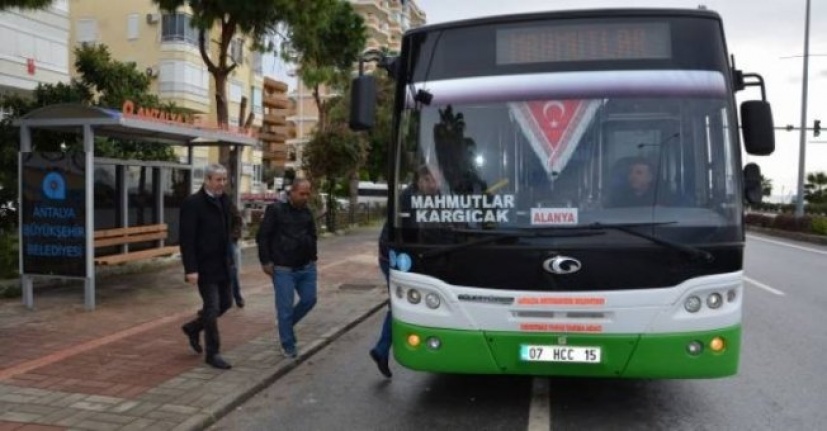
(256, 175)
(132, 26)
(199, 165)
(175, 27)
(61, 5)
(87, 30)
(235, 92)
(237, 50)
(184, 77)
(258, 109)
(258, 68)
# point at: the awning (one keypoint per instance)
(71, 118)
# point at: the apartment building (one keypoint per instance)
(386, 22)
(34, 48)
(165, 46)
(275, 130)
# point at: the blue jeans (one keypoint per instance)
(286, 282)
(383, 346)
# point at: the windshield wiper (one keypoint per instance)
(497, 236)
(692, 252)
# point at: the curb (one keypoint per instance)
(796, 236)
(283, 368)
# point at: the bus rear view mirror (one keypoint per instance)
(752, 183)
(757, 127)
(362, 102)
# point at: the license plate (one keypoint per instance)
(575, 354)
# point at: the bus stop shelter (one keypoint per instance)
(56, 224)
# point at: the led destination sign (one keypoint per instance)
(584, 42)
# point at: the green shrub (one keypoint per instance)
(761, 220)
(819, 225)
(792, 223)
(9, 255)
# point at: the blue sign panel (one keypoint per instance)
(53, 206)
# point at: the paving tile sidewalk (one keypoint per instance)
(127, 366)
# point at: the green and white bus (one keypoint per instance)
(589, 213)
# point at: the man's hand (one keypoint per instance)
(268, 269)
(191, 278)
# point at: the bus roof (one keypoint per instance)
(567, 14)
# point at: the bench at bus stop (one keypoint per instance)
(122, 237)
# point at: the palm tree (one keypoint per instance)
(766, 186)
(815, 190)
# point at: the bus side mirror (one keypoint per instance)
(752, 183)
(757, 127)
(362, 102)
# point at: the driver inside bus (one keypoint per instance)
(638, 187)
(427, 182)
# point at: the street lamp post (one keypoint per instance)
(799, 204)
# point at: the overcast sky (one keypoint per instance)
(766, 37)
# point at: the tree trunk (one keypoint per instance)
(226, 156)
(331, 206)
(320, 106)
(354, 197)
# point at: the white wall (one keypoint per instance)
(41, 37)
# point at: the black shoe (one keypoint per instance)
(381, 363)
(219, 362)
(193, 337)
(239, 302)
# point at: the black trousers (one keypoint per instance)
(217, 299)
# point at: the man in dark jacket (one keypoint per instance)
(287, 251)
(205, 240)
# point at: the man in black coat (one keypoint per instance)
(205, 241)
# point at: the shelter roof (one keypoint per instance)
(70, 117)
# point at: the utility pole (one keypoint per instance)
(799, 204)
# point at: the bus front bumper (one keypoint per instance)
(621, 355)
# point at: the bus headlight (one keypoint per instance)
(692, 304)
(730, 295)
(433, 343)
(714, 300)
(400, 292)
(432, 301)
(414, 297)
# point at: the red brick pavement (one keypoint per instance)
(132, 343)
(127, 367)
(106, 353)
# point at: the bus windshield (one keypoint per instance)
(530, 154)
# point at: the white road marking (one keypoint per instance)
(764, 286)
(539, 412)
(786, 244)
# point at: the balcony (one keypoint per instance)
(276, 148)
(272, 118)
(279, 101)
(271, 85)
(269, 137)
(364, 6)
